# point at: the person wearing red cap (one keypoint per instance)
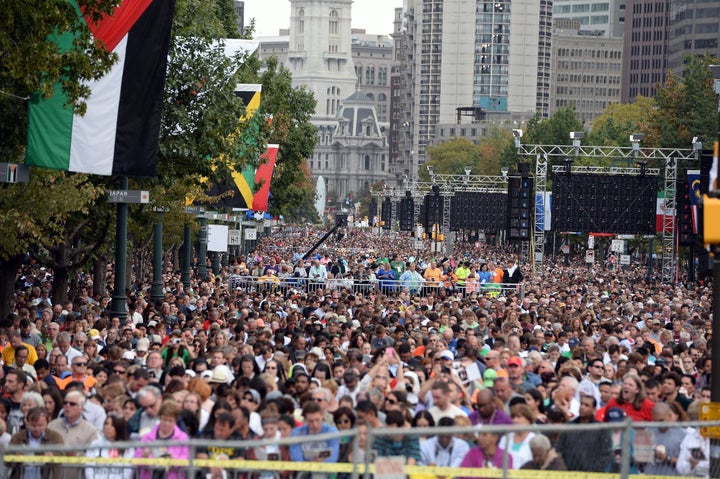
(516, 369)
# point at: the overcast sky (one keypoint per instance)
(375, 16)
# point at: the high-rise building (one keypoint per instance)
(481, 56)
(693, 29)
(240, 14)
(602, 18)
(586, 70)
(644, 48)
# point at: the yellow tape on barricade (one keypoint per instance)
(249, 465)
(328, 467)
(58, 459)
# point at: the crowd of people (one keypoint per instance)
(269, 348)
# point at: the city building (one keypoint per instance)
(352, 152)
(483, 56)
(692, 30)
(348, 72)
(240, 14)
(644, 48)
(586, 70)
(602, 18)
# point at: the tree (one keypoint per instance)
(493, 151)
(32, 62)
(451, 157)
(37, 214)
(554, 130)
(290, 109)
(686, 107)
(619, 120)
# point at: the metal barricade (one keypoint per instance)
(251, 284)
(631, 445)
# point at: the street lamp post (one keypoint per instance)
(156, 292)
(119, 297)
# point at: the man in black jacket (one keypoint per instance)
(582, 450)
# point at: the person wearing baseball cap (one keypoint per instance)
(516, 375)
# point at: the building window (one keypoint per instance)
(334, 22)
(382, 76)
(301, 21)
(370, 75)
(367, 162)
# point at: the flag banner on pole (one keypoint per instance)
(263, 175)
(242, 183)
(249, 93)
(118, 135)
(694, 194)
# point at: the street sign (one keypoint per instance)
(14, 173)
(194, 210)
(250, 234)
(128, 196)
(617, 246)
(625, 259)
(234, 237)
(591, 242)
(710, 412)
(590, 256)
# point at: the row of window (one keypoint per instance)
(369, 77)
(586, 105)
(587, 91)
(588, 53)
(580, 78)
(333, 23)
(340, 162)
(462, 131)
(647, 63)
(654, 49)
(589, 66)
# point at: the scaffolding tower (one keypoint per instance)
(669, 157)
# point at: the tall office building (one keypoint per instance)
(586, 70)
(602, 18)
(482, 56)
(240, 14)
(645, 47)
(692, 30)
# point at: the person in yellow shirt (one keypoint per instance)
(8, 354)
(432, 275)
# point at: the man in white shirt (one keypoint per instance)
(443, 450)
(442, 406)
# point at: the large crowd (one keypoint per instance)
(366, 332)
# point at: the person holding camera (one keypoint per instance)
(176, 348)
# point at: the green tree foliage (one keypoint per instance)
(619, 121)
(291, 109)
(554, 130)
(686, 107)
(35, 215)
(451, 157)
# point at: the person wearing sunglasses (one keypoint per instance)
(73, 428)
(79, 374)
